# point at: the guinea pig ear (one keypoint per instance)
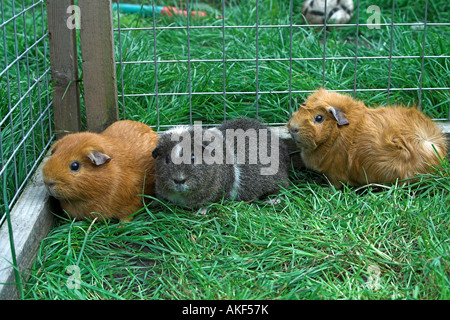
(98, 158)
(156, 152)
(338, 115)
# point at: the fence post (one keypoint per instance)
(64, 66)
(98, 63)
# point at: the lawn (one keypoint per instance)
(388, 242)
(316, 244)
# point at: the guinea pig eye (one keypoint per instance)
(319, 118)
(75, 166)
(168, 158)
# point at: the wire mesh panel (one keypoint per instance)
(261, 58)
(212, 60)
(178, 62)
(25, 104)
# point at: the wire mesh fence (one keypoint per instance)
(264, 56)
(212, 60)
(223, 59)
(25, 104)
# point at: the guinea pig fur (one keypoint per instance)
(226, 162)
(351, 143)
(92, 174)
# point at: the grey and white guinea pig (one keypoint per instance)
(242, 160)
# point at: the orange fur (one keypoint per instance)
(376, 146)
(112, 188)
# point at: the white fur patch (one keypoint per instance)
(234, 193)
(177, 130)
(202, 211)
(274, 201)
(428, 147)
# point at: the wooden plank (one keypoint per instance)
(99, 68)
(64, 66)
(445, 126)
(31, 221)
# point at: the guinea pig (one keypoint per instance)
(350, 143)
(241, 160)
(106, 173)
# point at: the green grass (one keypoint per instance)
(240, 43)
(318, 243)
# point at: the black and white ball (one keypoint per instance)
(338, 11)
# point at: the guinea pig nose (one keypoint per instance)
(179, 181)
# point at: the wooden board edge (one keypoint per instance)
(31, 221)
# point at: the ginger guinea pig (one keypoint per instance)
(106, 173)
(350, 143)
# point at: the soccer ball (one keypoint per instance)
(338, 11)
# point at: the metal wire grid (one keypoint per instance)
(26, 135)
(25, 125)
(290, 90)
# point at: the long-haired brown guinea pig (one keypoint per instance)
(106, 173)
(350, 143)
